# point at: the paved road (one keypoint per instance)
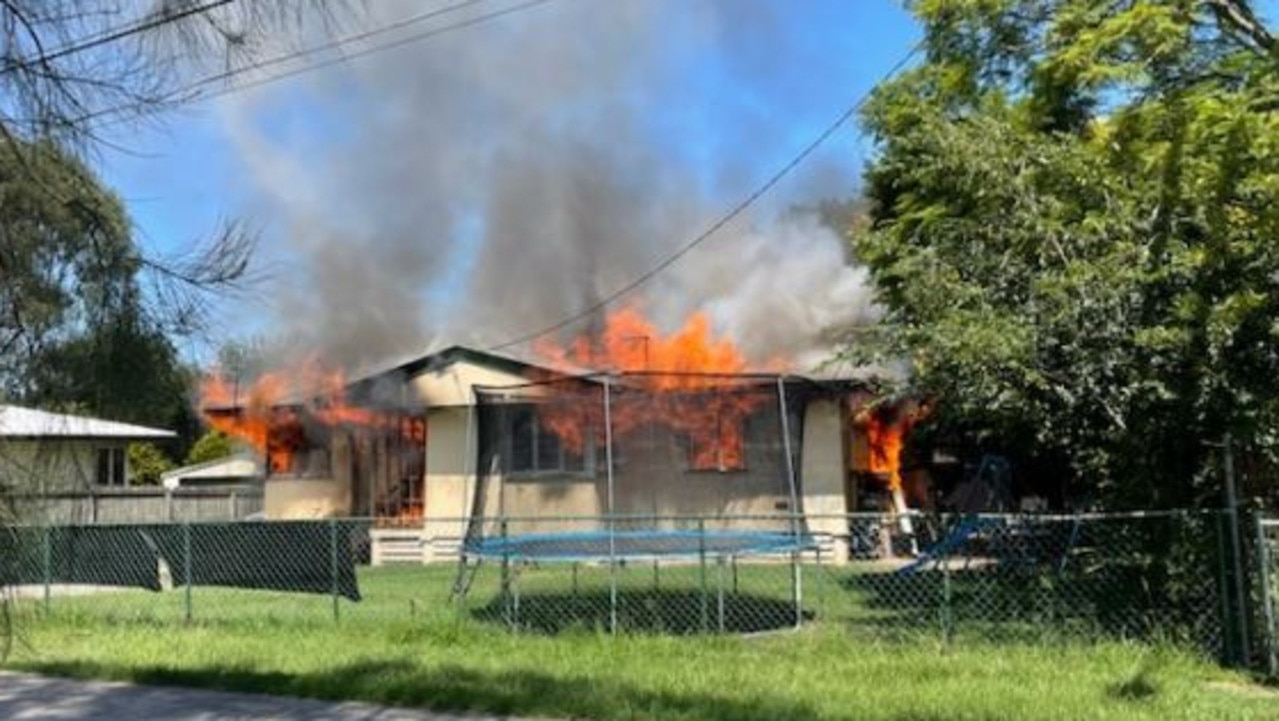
(26, 697)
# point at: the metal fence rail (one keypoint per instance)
(1142, 576)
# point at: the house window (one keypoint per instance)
(111, 467)
(720, 446)
(531, 447)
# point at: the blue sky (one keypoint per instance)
(727, 106)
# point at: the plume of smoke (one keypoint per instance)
(494, 181)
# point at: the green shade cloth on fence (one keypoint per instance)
(91, 555)
(296, 556)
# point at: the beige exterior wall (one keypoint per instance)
(823, 468)
(41, 466)
(449, 472)
(452, 385)
(294, 498)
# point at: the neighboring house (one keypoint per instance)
(414, 465)
(43, 452)
(237, 470)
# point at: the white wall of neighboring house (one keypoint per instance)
(50, 465)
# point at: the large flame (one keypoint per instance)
(686, 382)
(630, 342)
(886, 426)
(272, 413)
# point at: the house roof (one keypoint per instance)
(19, 422)
(450, 355)
(237, 466)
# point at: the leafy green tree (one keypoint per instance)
(210, 447)
(147, 462)
(74, 327)
(1073, 234)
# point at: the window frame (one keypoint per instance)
(507, 447)
(116, 467)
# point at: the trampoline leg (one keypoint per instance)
(575, 586)
(657, 578)
(735, 583)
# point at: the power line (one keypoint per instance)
(331, 45)
(334, 44)
(723, 220)
(111, 35)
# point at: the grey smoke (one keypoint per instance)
(495, 180)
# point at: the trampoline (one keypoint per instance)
(637, 545)
(609, 472)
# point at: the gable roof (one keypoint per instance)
(18, 422)
(234, 466)
(448, 356)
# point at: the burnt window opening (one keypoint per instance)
(296, 448)
(533, 448)
(718, 447)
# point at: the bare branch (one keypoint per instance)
(1237, 18)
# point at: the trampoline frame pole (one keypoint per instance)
(612, 540)
(797, 592)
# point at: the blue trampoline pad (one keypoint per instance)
(601, 545)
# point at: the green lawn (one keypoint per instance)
(404, 644)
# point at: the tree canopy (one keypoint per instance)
(1073, 234)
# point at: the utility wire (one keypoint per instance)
(183, 96)
(723, 220)
(112, 35)
(341, 42)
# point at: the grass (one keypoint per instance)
(404, 645)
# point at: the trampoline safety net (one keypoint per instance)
(637, 465)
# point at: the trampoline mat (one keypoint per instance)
(598, 545)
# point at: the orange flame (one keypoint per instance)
(885, 439)
(272, 413)
(886, 426)
(689, 390)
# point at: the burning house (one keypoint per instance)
(663, 426)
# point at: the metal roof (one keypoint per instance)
(19, 422)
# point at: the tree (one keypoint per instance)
(1074, 207)
(211, 446)
(148, 463)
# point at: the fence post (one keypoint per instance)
(333, 565)
(168, 504)
(947, 610)
(231, 506)
(93, 507)
(47, 561)
(1227, 637)
(506, 575)
(1236, 547)
(187, 567)
(701, 564)
(1268, 592)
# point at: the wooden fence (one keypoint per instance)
(148, 504)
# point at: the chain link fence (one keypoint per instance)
(1136, 576)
